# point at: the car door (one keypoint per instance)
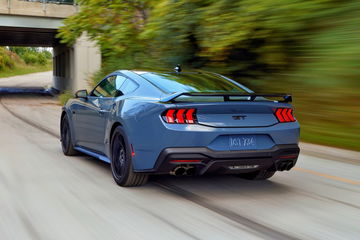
(91, 116)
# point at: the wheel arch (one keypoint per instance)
(66, 114)
(63, 114)
(113, 127)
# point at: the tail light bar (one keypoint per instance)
(284, 115)
(180, 116)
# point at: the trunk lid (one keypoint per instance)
(234, 114)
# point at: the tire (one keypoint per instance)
(121, 163)
(258, 175)
(66, 138)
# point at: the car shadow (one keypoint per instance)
(225, 185)
(217, 185)
(39, 91)
(101, 165)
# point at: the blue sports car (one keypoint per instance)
(180, 123)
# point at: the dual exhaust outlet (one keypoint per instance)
(189, 170)
(285, 165)
(183, 170)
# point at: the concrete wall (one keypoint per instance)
(18, 7)
(73, 66)
(62, 67)
(87, 60)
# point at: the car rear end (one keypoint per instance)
(228, 137)
(222, 133)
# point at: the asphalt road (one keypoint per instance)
(45, 195)
(41, 79)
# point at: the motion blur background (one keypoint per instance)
(310, 48)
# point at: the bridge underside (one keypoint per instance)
(20, 36)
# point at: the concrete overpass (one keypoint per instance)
(35, 23)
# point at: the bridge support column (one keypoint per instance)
(62, 67)
(87, 60)
(73, 66)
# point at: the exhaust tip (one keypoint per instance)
(289, 166)
(178, 171)
(285, 165)
(190, 171)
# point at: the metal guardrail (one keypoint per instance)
(68, 2)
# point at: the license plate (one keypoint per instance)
(242, 142)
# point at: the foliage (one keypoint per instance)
(115, 25)
(7, 59)
(30, 58)
(64, 97)
(12, 64)
(325, 80)
(32, 55)
(240, 38)
(308, 47)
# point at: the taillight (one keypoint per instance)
(180, 116)
(284, 115)
(169, 116)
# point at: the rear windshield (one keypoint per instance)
(191, 82)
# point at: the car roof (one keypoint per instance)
(141, 71)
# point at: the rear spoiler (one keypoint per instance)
(252, 96)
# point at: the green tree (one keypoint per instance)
(244, 38)
(115, 25)
(32, 55)
(7, 60)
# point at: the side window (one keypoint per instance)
(128, 86)
(119, 81)
(106, 88)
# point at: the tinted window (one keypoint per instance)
(128, 86)
(119, 81)
(106, 88)
(191, 82)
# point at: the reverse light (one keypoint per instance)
(180, 116)
(284, 115)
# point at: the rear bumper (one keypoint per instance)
(279, 157)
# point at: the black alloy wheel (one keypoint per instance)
(66, 142)
(121, 163)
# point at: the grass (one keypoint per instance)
(331, 133)
(326, 120)
(328, 114)
(339, 136)
(64, 97)
(25, 69)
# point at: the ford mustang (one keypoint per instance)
(180, 123)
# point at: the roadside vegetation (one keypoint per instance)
(309, 48)
(64, 97)
(23, 60)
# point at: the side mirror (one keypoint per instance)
(81, 94)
